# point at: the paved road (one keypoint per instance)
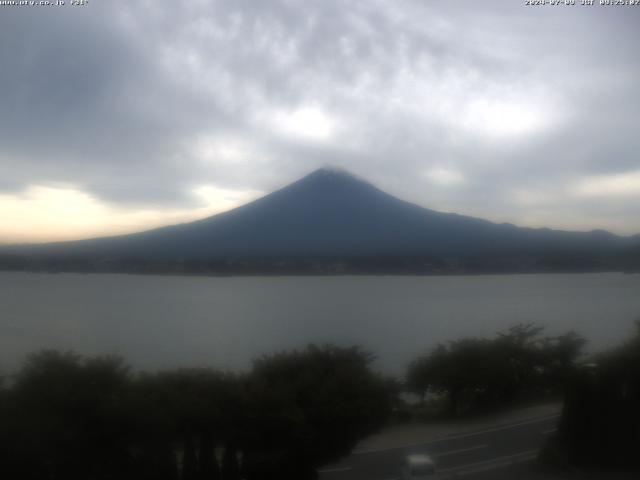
(504, 451)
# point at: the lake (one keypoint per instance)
(169, 321)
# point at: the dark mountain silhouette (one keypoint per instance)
(331, 213)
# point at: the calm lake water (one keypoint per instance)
(166, 321)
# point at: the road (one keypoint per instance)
(505, 451)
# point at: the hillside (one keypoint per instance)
(331, 214)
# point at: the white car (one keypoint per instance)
(419, 467)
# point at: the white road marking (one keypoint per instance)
(461, 450)
(503, 427)
(456, 437)
(547, 432)
(490, 464)
(332, 470)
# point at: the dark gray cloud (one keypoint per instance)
(493, 108)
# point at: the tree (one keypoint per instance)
(72, 417)
(600, 423)
(67, 419)
(309, 407)
(187, 412)
(477, 373)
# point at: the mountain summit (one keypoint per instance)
(331, 213)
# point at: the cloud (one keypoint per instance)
(444, 176)
(308, 123)
(138, 104)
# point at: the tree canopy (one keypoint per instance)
(480, 372)
(600, 423)
(70, 417)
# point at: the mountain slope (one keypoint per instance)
(332, 213)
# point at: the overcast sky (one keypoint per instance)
(123, 115)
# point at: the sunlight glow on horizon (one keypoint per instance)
(621, 184)
(48, 214)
